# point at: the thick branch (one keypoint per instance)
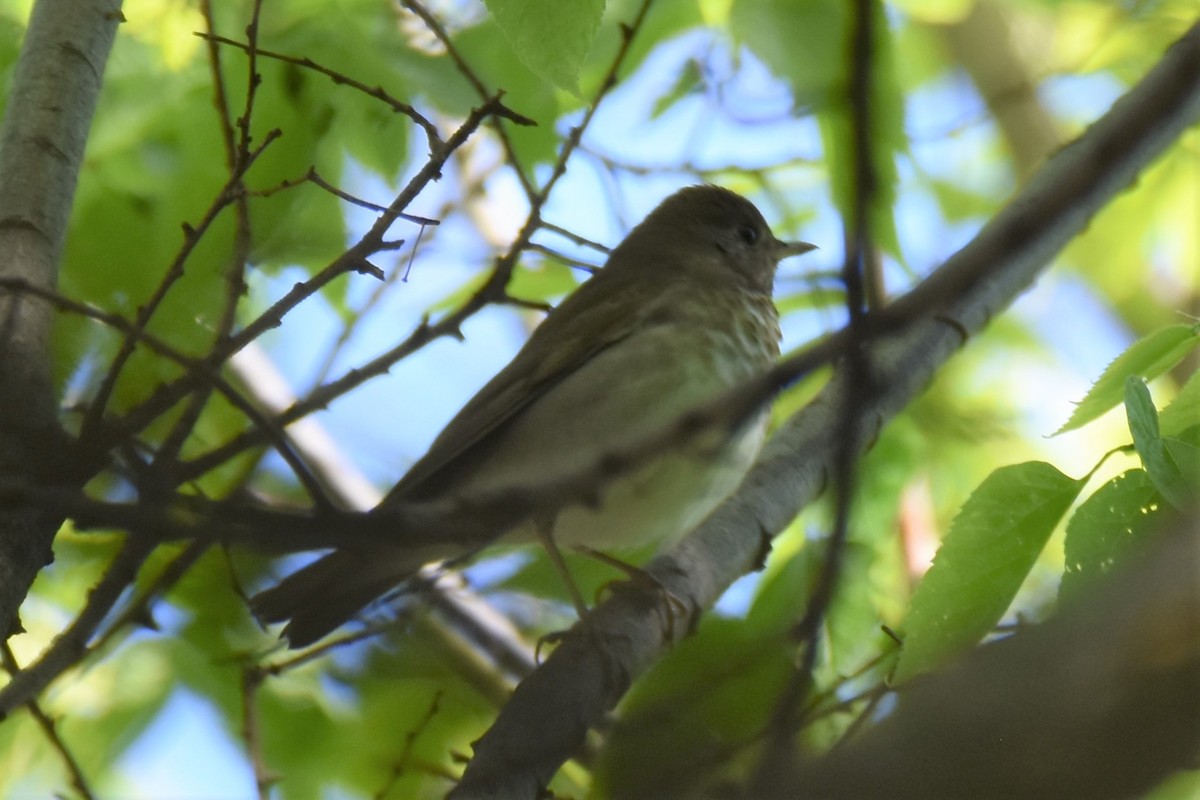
(49, 112)
(1101, 701)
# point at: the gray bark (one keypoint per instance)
(42, 137)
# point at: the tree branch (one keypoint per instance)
(42, 137)
(1100, 701)
(552, 710)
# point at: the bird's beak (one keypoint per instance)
(786, 249)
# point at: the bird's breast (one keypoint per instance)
(627, 394)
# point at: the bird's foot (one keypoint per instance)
(668, 604)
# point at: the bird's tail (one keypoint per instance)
(318, 598)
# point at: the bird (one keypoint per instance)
(681, 310)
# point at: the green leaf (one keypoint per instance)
(714, 691)
(525, 92)
(1158, 460)
(783, 591)
(961, 203)
(1147, 358)
(1184, 411)
(992, 544)
(1143, 419)
(936, 12)
(800, 40)
(543, 282)
(553, 38)
(374, 135)
(1106, 527)
(806, 42)
(1184, 451)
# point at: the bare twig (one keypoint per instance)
(491, 291)
(50, 729)
(576, 238)
(252, 678)
(272, 433)
(70, 645)
(93, 424)
(563, 258)
(137, 611)
(858, 246)
(438, 30)
(354, 259)
(341, 79)
(235, 272)
(403, 762)
(220, 95)
(314, 177)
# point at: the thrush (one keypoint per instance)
(681, 311)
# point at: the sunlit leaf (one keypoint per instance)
(1179, 487)
(552, 38)
(1184, 411)
(1147, 358)
(983, 561)
(1106, 528)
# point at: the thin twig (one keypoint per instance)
(50, 729)
(235, 272)
(858, 243)
(253, 80)
(404, 761)
(443, 36)
(574, 237)
(271, 432)
(220, 95)
(264, 778)
(563, 258)
(137, 611)
(69, 646)
(349, 198)
(92, 426)
(314, 177)
(341, 79)
(492, 290)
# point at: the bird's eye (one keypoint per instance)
(747, 234)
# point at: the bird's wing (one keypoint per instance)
(579, 329)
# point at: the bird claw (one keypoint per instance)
(669, 605)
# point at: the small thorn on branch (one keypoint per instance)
(498, 109)
(365, 267)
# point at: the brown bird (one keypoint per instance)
(681, 311)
